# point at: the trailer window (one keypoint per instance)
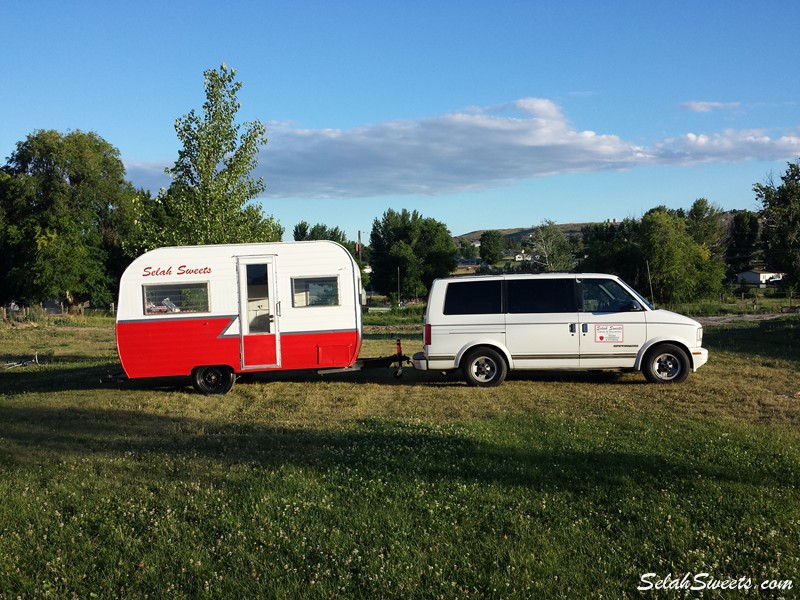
(473, 298)
(172, 298)
(315, 291)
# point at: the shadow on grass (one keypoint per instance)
(776, 338)
(41, 435)
(41, 379)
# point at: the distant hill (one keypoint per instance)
(570, 229)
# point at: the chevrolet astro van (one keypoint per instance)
(489, 325)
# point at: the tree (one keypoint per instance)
(68, 207)
(744, 248)
(681, 269)
(705, 225)
(303, 231)
(417, 249)
(210, 198)
(781, 205)
(614, 248)
(491, 248)
(551, 249)
(467, 249)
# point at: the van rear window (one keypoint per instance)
(473, 298)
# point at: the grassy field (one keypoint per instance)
(363, 485)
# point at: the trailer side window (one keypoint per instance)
(541, 296)
(473, 298)
(169, 298)
(315, 291)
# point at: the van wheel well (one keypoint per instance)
(484, 366)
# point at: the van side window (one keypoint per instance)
(473, 298)
(541, 296)
(604, 295)
(170, 298)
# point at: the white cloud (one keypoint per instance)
(704, 107)
(473, 149)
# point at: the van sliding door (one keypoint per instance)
(258, 312)
(542, 322)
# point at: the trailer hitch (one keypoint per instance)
(380, 362)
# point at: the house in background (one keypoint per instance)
(758, 277)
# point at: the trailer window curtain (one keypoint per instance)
(174, 298)
(315, 291)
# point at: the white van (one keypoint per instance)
(489, 325)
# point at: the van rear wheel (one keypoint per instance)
(217, 379)
(666, 363)
(484, 367)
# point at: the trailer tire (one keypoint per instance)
(216, 379)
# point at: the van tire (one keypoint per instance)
(217, 379)
(666, 363)
(484, 367)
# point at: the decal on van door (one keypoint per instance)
(609, 333)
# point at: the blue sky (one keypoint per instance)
(483, 115)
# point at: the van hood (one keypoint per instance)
(660, 315)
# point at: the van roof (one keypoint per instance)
(528, 276)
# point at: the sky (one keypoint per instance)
(480, 114)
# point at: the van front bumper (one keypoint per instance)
(699, 357)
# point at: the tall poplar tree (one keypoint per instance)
(210, 198)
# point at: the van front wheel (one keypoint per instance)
(666, 363)
(213, 380)
(484, 367)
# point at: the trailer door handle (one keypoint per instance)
(278, 308)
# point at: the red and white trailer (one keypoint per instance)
(212, 312)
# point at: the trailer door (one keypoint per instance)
(259, 313)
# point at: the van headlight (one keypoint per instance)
(699, 336)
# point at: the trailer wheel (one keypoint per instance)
(217, 379)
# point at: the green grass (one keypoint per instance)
(363, 485)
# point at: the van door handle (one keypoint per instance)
(573, 328)
(585, 328)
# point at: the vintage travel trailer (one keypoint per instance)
(212, 312)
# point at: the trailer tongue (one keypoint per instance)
(381, 362)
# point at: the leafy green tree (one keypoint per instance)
(781, 213)
(551, 249)
(416, 249)
(614, 248)
(303, 231)
(467, 249)
(744, 250)
(210, 198)
(682, 270)
(491, 248)
(705, 225)
(67, 207)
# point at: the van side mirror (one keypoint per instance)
(632, 306)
